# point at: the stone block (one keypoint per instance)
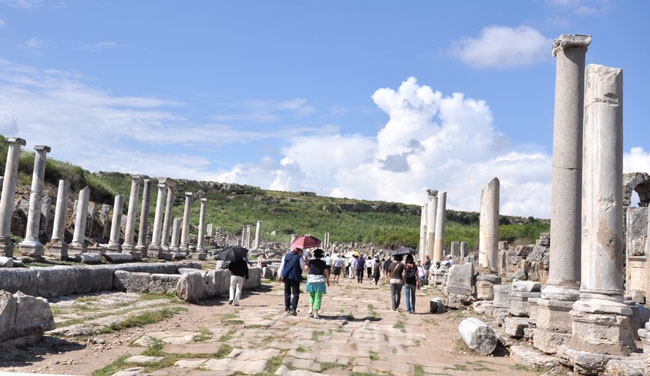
(501, 296)
(461, 278)
(90, 258)
(114, 257)
(24, 317)
(436, 305)
(19, 279)
(191, 287)
(458, 301)
(532, 358)
(514, 326)
(56, 281)
(484, 290)
(526, 286)
(93, 279)
(131, 282)
(519, 302)
(478, 336)
(163, 283)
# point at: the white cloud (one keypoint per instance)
(98, 46)
(33, 43)
(637, 160)
(503, 47)
(24, 4)
(579, 7)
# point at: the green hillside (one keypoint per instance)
(233, 206)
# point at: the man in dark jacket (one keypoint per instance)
(238, 273)
(290, 273)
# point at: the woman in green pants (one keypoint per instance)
(318, 278)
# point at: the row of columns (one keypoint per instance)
(432, 226)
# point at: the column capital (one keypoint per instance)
(169, 182)
(44, 148)
(16, 140)
(570, 40)
(432, 193)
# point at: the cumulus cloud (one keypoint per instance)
(33, 43)
(24, 4)
(503, 47)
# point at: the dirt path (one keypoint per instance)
(357, 332)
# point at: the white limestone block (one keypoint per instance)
(478, 336)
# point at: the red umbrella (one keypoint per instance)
(305, 241)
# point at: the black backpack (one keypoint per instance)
(411, 275)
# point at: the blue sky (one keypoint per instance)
(375, 100)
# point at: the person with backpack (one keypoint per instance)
(395, 277)
(411, 283)
(290, 273)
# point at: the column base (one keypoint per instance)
(128, 248)
(553, 324)
(143, 251)
(58, 250)
(485, 284)
(75, 249)
(114, 247)
(6, 247)
(561, 293)
(31, 249)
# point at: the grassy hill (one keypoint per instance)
(233, 206)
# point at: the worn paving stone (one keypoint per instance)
(248, 367)
(144, 359)
(299, 363)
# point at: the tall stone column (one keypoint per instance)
(201, 235)
(176, 234)
(423, 232)
(144, 219)
(185, 230)
(58, 247)
(169, 207)
(155, 245)
(553, 323)
(31, 245)
(439, 242)
(432, 218)
(258, 228)
(78, 244)
(8, 194)
(601, 320)
(489, 228)
(129, 230)
(116, 225)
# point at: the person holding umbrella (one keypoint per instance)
(290, 273)
(238, 273)
(318, 277)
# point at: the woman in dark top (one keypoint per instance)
(318, 277)
(396, 280)
(238, 273)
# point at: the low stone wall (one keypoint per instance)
(77, 280)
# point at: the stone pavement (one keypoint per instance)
(357, 333)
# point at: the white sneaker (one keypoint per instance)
(315, 315)
(310, 311)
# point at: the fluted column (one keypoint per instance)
(157, 221)
(31, 245)
(439, 242)
(489, 228)
(423, 231)
(176, 234)
(169, 207)
(58, 246)
(201, 234)
(8, 194)
(258, 228)
(432, 214)
(129, 230)
(78, 244)
(185, 230)
(144, 218)
(116, 225)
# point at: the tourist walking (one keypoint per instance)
(318, 278)
(238, 273)
(411, 283)
(376, 270)
(338, 263)
(261, 264)
(290, 273)
(360, 265)
(395, 277)
(369, 262)
(426, 265)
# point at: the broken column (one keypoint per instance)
(258, 228)
(169, 207)
(199, 240)
(57, 246)
(562, 289)
(432, 213)
(176, 234)
(31, 245)
(116, 225)
(155, 245)
(439, 242)
(129, 230)
(78, 244)
(8, 195)
(185, 231)
(488, 241)
(141, 247)
(601, 320)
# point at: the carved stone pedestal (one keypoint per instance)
(553, 324)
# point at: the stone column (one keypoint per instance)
(8, 195)
(58, 246)
(553, 323)
(104, 216)
(167, 224)
(489, 228)
(144, 219)
(432, 214)
(201, 235)
(78, 244)
(31, 245)
(249, 235)
(566, 179)
(423, 232)
(157, 221)
(116, 225)
(601, 320)
(176, 233)
(258, 228)
(439, 242)
(185, 231)
(129, 230)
